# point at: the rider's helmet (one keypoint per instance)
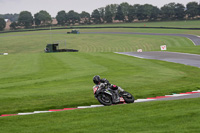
(96, 79)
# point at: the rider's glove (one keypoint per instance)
(102, 85)
(105, 81)
(120, 89)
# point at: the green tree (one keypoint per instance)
(179, 11)
(2, 24)
(85, 17)
(84, 14)
(102, 13)
(192, 9)
(140, 12)
(11, 17)
(73, 17)
(14, 17)
(151, 12)
(119, 14)
(108, 14)
(173, 11)
(36, 19)
(147, 12)
(25, 19)
(43, 17)
(113, 9)
(168, 11)
(61, 17)
(125, 8)
(13, 25)
(96, 16)
(132, 13)
(135, 10)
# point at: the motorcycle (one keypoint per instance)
(107, 96)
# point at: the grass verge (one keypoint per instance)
(161, 116)
(43, 81)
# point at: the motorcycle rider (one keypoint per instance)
(103, 82)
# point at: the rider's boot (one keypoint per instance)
(117, 98)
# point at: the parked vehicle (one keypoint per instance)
(74, 31)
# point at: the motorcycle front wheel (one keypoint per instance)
(128, 98)
(104, 99)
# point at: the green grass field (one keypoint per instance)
(32, 80)
(35, 42)
(151, 117)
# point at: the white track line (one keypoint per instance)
(177, 95)
(36, 112)
(92, 106)
(84, 107)
(143, 100)
(129, 55)
(26, 113)
(97, 105)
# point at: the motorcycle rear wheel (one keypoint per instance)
(104, 99)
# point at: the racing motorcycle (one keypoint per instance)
(107, 96)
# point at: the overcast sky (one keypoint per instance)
(53, 6)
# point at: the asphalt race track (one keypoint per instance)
(182, 58)
(181, 97)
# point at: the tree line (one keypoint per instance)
(123, 12)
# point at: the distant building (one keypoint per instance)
(54, 21)
(8, 22)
